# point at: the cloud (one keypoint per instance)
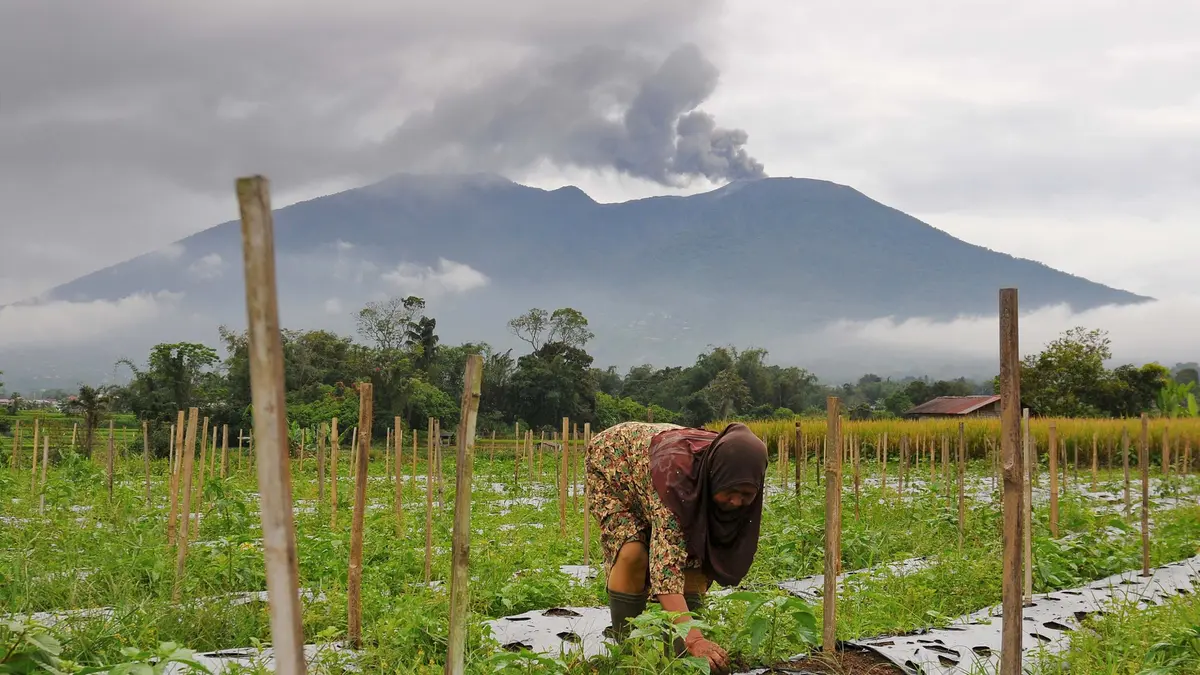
(62, 323)
(1162, 331)
(173, 251)
(207, 268)
(449, 278)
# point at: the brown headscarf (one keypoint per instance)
(688, 467)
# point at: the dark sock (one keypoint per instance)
(621, 607)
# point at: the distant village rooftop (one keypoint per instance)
(957, 406)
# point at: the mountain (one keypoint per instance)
(660, 278)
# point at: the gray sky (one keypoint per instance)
(1063, 131)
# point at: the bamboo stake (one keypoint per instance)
(883, 452)
(240, 453)
(856, 450)
(1166, 452)
(177, 439)
(12, 458)
(414, 460)
(1125, 464)
(516, 452)
(354, 576)
(333, 474)
(833, 523)
(189, 452)
(42, 488)
(112, 452)
(224, 450)
(962, 471)
(322, 434)
(1027, 508)
(1010, 439)
(200, 482)
(33, 467)
(303, 442)
(145, 457)
(429, 504)
(587, 513)
(270, 427)
(212, 458)
(798, 442)
(1095, 463)
(1144, 462)
(562, 478)
(74, 431)
(1053, 454)
(398, 443)
(461, 537)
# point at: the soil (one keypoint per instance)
(845, 661)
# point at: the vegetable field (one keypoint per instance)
(91, 581)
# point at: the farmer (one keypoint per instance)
(678, 509)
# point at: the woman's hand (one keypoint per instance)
(702, 647)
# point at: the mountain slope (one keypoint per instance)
(659, 277)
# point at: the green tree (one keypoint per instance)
(92, 404)
(1061, 380)
(538, 327)
(552, 383)
(387, 323)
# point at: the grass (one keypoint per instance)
(88, 552)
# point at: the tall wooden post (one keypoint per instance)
(1027, 509)
(112, 452)
(562, 477)
(962, 470)
(1010, 441)
(833, 522)
(1144, 461)
(366, 413)
(322, 434)
(429, 504)
(270, 426)
(1166, 452)
(189, 452)
(397, 444)
(146, 456)
(1053, 454)
(1095, 463)
(1125, 466)
(461, 538)
(333, 472)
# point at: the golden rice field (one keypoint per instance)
(982, 434)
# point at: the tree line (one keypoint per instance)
(415, 377)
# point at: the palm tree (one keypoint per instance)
(92, 403)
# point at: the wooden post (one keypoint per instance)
(962, 471)
(562, 478)
(461, 538)
(1144, 462)
(1053, 454)
(397, 444)
(42, 487)
(1125, 465)
(833, 523)
(224, 450)
(270, 426)
(1010, 440)
(322, 434)
(1095, 463)
(175, 487)
(145, 456)
(333, 473)
(856, 451)
(429, 504)
(112, 451)
(189, 452)
(587, 517)
(12, 458)
(36, 441)
(1027, 508)
(883, 462)
(366, 413)
(1166, 452)
(798, 443)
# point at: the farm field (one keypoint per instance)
(99, 574)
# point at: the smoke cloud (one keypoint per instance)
(600, 108)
